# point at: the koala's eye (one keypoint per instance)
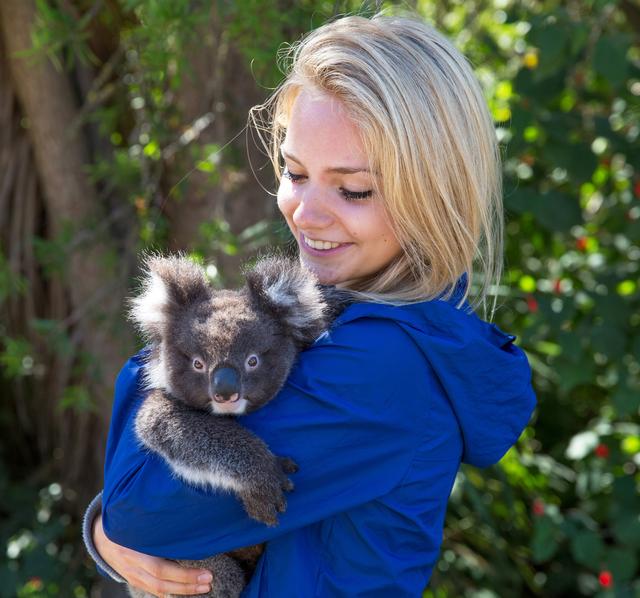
(252, 361)
(198, 365)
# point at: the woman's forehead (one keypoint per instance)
(320, 127)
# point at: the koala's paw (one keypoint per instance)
(262, 509)
(264, 499)
(287, 466)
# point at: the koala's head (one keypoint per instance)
(228, 351)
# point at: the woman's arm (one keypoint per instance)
(153, 574)
(351, 415)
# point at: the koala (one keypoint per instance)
(216, 354)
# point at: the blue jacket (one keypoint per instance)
(378, 414)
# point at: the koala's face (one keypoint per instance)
(226, 355)
(228, 351)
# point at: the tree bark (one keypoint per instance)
(93, 284)
(223, 86)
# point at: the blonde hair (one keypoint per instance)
(427, 132)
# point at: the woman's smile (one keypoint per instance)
(318, 245)
(326, 193)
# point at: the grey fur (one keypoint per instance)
(226, 352)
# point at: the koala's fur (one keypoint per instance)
(216, 353)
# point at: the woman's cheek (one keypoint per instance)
(286, 201)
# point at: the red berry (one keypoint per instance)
(557, 286)
(636, 188)
(532, 304)
(606, 579)
(537, 507)
(602, 451)
(581, 244)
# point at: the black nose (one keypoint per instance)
(225, 385)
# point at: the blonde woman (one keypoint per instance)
(390, 183)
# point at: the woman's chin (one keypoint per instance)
(324, 274)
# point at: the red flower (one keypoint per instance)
(602, 451)
(606, 579)
(581, 243)
(636, 188)
(532, 304)
(537, 507)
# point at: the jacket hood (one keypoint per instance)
(486, 377)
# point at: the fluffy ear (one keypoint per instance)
(336, 300)
(168, 283)
(292, 294)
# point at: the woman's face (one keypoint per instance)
(326, 193)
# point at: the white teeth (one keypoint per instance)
(315, 244)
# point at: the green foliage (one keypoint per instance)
(60, 36)
(42, 555)
(564, 91)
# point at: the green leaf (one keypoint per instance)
(610, 58)
(573, 374)
(609, 341)
(587, 548)
(557, 212)
(15, 356)
(625, 494)
(576, 158)
(626, 401)
(76, 398)
(627, 529)
(571, 345)
(544, 543)
(622, 563)
(613, 309)
(552, 40)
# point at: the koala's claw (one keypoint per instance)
(288, 485)
(282, 505)
(288, 465)
(259, 510)
(265, 498)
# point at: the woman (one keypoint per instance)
(391, 188)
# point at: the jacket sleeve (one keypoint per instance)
(352, 414)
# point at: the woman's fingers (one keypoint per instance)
(152, 574)
(165, 570)
(158, 587)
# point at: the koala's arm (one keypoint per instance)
(216, 452)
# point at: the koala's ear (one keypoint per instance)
(168, 284)
(292, 294)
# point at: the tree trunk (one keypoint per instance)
(90, 288)
(222, 86)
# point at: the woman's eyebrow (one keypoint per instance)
(336, 169)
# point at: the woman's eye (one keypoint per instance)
(355, 195)
(252, 361)
(294, 178)
(198, 365)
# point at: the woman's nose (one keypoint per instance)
(312, 211)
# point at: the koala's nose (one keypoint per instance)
(225, 385)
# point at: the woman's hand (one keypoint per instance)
(152, 574)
